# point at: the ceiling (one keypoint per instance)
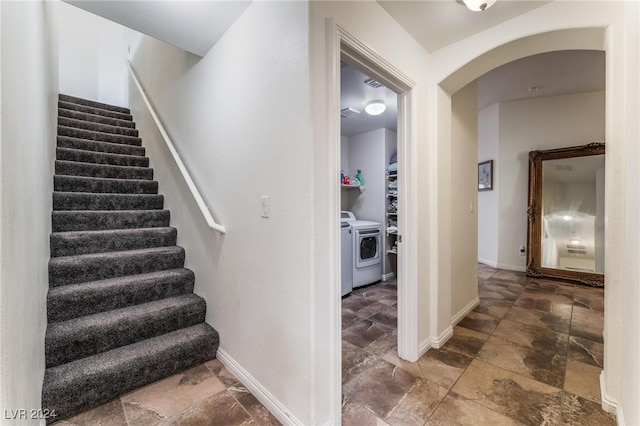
(194, 26)
(436, 24)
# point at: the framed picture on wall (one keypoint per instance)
(485, 176)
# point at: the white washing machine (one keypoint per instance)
(367, 246)
(346, 280)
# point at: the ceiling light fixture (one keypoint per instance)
(477, 5)
(574, 241)
(376, 107)
(568, 218)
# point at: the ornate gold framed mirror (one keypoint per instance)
(565, 235)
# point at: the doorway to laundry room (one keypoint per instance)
(369, 218)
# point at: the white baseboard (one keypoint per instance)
(488, 262)
(609, 404)
(463, 313)
(519, 268)
(388, 277)
(263, 395)
(435, 342)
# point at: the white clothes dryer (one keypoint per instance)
(367, 246)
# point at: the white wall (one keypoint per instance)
(240, 117)
(464, 201)
(622, 304)
(28, 95)
(488, 149)
(523, 126)
(369, 152)
(92, 56)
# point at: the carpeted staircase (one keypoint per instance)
(121, 309)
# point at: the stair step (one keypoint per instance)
(89, 201)
(104, 185)
(79, 115)
(90, 220)
(75, 300)
(93, 104)
(99, 266)
(95, 111)
(78, 338)
(77, 386)
(85, 242)
(96, 127)
(79, 155)
(108, 147)
(75, 168)
(98, 136)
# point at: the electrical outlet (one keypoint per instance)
(522, 250)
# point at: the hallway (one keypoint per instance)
(530, 353)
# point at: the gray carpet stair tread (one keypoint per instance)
(104, 241)
(96, 127)
(79, 115)
(93, 104)
(76, 168)
(84, 156)
(85, 383)
(87, 220)
(95, 111)
(104, 185)
(106, 147)
(78, 338)
(76, 300)
(98, 266)
(96, 201)
(98, 136)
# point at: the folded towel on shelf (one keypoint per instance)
(393, 185)
(392, 229)
(392, 168)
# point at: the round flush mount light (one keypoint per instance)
(568, 218)
(376, 107)
(574, 241)
(477, 5)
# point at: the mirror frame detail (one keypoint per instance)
(534, 228)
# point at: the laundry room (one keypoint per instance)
(369, 191)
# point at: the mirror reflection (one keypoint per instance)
(572, 214)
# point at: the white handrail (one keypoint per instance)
(176, 157)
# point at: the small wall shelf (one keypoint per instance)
(361, 187)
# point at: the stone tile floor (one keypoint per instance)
(204, 395)
(529, 354)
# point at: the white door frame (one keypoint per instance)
(342, 45)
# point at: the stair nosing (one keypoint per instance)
(128, 156)
(132, 138)
(96, 117)
(168, 249)
(77, 100)
(123, 116)
(102, 165)
(96, 123)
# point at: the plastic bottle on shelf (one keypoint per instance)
(359, 177)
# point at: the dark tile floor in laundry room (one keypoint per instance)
(530, 354)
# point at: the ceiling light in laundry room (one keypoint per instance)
(375, 107)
